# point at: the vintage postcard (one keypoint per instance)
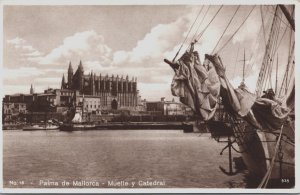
(149, 96)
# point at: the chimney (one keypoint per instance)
(162, 99)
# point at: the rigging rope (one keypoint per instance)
(285, 78)
(203, 31)
(273, 52)
(291, 52)
(188, 33)
(236, 30)
(268, 67)
(292, 73)
(281, 39)
(263, 25)
(249, 68)
(200, 24)
(264, 37)
(226, 28)
(284, 34)
(272, 12)
(236, 60)
(264, 71)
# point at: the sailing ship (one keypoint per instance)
(37, 127)
(261, 124)
(75, 118)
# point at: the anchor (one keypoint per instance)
(229, 146)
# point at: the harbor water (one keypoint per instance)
(115, 159)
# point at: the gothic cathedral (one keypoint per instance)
(114, 92)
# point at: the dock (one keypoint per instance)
(140, 126)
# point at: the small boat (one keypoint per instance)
(76, 127)
(38, 127)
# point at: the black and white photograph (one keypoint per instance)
(148, 95)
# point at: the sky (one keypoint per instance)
(133, 40)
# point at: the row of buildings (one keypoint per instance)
(96, 94)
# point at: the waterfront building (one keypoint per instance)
(12, 110)
(89, 103)
(167, 108)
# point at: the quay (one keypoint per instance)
(186, 127)
(140, 125)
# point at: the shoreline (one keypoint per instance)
(122, 126)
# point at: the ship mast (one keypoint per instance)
(288, 16)
(290, 19)
(270, 49)
(242, 85)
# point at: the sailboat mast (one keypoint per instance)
(288, 16)
(266, 67)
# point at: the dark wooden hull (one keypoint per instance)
(257, 148)
(76, 127)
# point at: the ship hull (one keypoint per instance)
(258, 149)
(76, 127)
(38, 128)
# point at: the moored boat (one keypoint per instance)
(38, 127)
(77, 123)
(76, 126)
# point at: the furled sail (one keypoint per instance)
(263, 113)
(197, 86)
(200, 87)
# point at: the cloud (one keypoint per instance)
(159, 40)
(48, 80)
(33, 54)
(154, 91)
(87, 45)
(145, 59)
(13, 73)
(19, 48)
(96, 66)
(17, 42)
(250, 82)
(24, 61)
(252, 25)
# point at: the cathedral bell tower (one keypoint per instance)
(70, 76)
(80, 76)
